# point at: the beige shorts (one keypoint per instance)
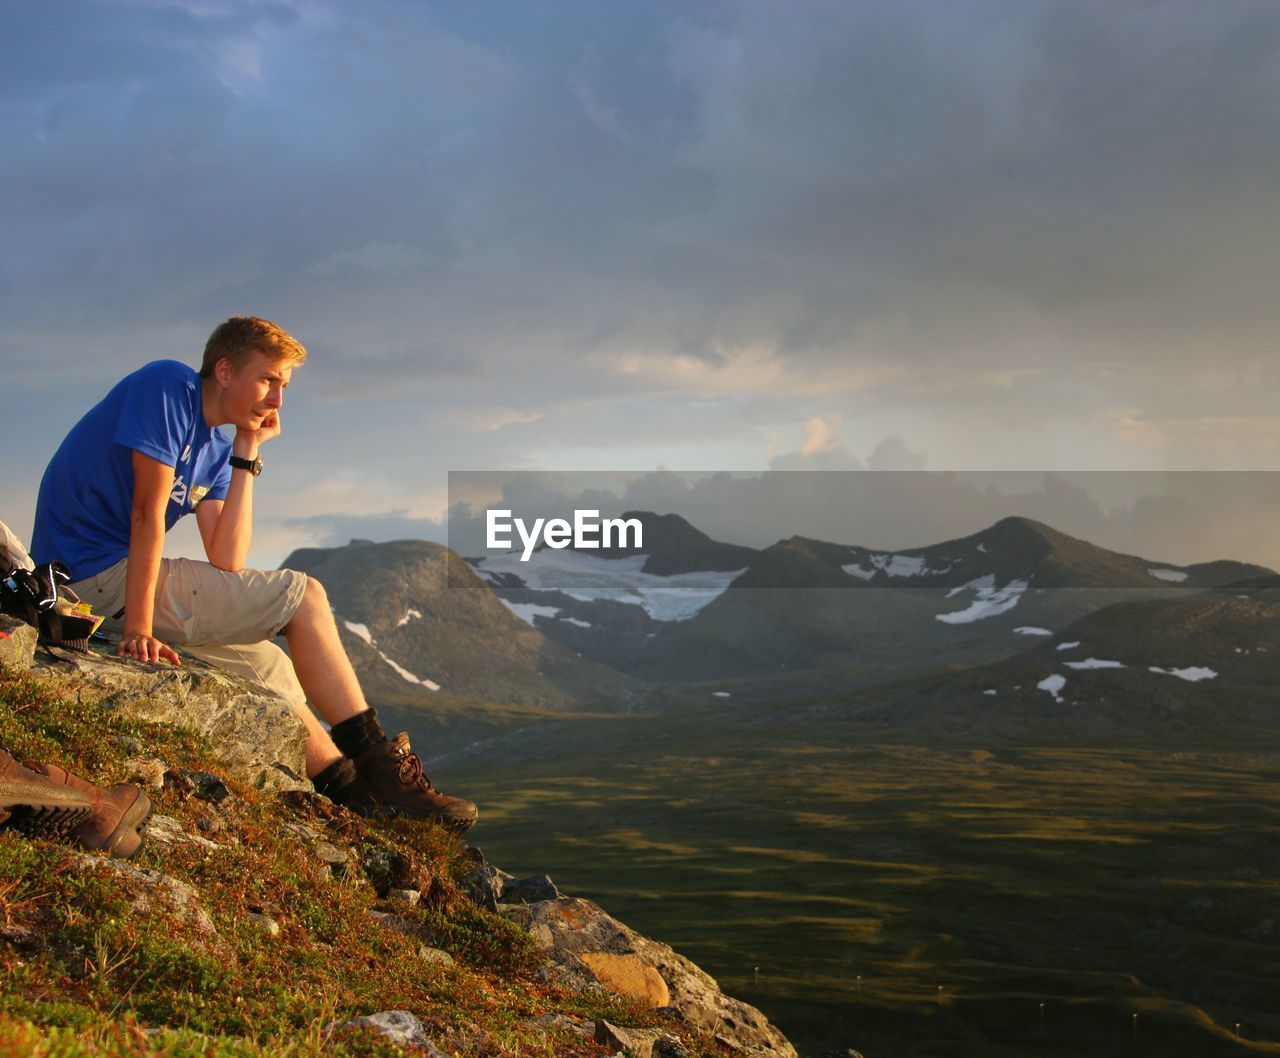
(228, 619)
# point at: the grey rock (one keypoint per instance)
(561, 1023)
(569, 927)
(435, 955)
(485, 883)
(153, 891)
(203, 784)
(266, 923)
(398, 1026)
(405, 896)
(324, 850)
(668, 1046)
(17, 643)
(636, 1042)
(167, 831)
(258, 733)
(529, 890)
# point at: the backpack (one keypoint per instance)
(40, 596)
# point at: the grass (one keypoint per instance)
(86, 970)
(1101, 881)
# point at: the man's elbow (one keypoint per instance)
(227, 563)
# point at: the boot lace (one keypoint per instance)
(409, 770)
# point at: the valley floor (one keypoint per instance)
(900, 898)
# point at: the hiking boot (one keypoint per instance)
(117, 812)
(35, 804)
(390, 782)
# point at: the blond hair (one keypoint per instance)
(241, 336)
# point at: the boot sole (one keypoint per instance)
(39, 812)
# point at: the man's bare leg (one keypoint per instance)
(319, 659)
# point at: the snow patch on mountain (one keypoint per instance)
(409, 615)
(990, 600)
(576, 621)
(588, 578)
(1173, 576)
(1095, 663)
(1053, 684)
(527, 611)
(856, 570)
(900, 566)
(1192, 674)
(1069, 646)
(362, 630)
(1031, 630)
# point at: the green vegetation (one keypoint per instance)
(86, 970)
(903, 897)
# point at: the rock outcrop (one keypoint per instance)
(259, 734)
(588, 945)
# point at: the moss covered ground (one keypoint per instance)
(84, 970)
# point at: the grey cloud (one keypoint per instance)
(1019, 215)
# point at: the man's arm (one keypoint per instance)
(152, 483)
(226, 526)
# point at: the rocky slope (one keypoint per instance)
(262, 918)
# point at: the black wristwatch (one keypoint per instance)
(253, 466)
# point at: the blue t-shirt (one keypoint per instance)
(85, 505)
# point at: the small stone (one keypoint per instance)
(146, 771)
(636, 1042)
(435, 956)
(563, 1023)
(266, 923)
(203, 784)
(398, 1026)
(167, 831)
(329, 853)
(127, 743)
(669, 1047)
(485, 882)
(405, 896)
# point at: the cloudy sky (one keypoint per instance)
(1018, 235)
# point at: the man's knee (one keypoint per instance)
(315, 593)
(314, 605)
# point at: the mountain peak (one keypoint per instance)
(674, 546)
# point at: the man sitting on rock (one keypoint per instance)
(149, 453)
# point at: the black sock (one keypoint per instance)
(335, 779)
(358, 733)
